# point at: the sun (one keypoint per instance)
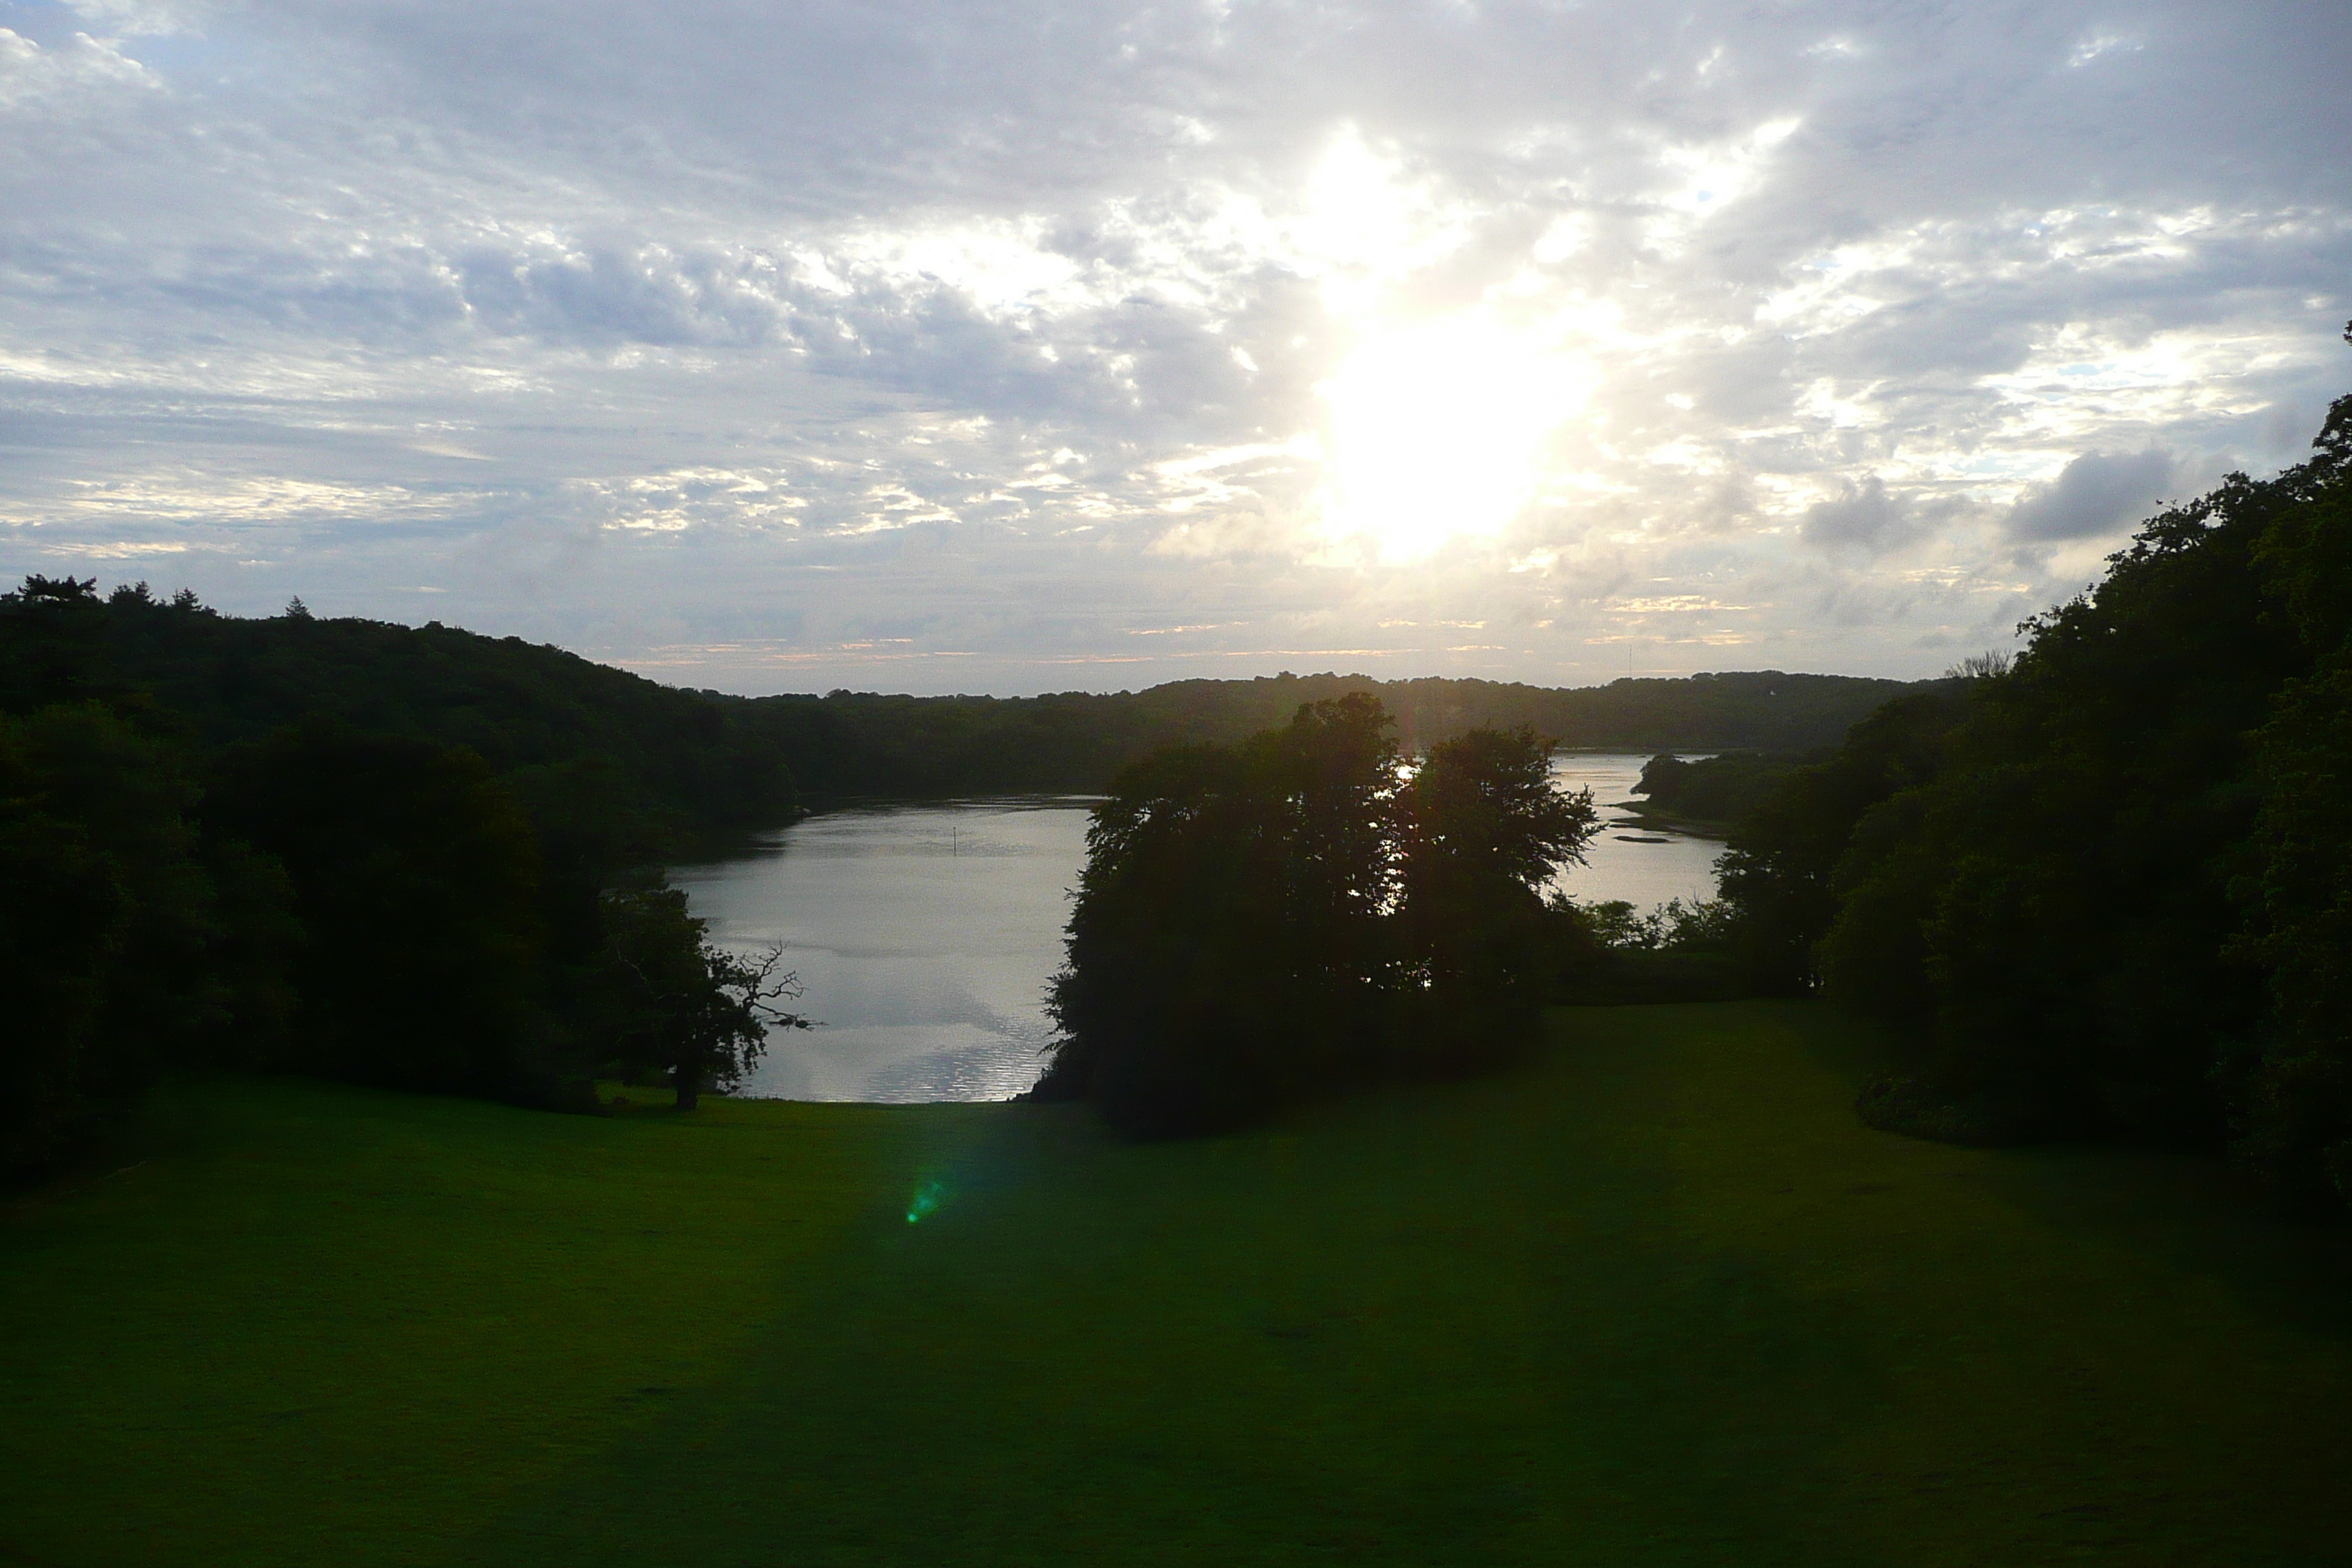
(1437, 430)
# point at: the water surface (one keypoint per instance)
(924, 935)
(1618, 864)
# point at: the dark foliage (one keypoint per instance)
(105, 922)
(416, 879)
(1715, 790)
(681, 1008)
(2297, 1116)
(335, 846)
(2108, 889)
(1261, 924)
(1486, 828)
(2053, 906)
(648, 760)
(1611, 954)
(629, 751)
(1779, 865)
(860, 743)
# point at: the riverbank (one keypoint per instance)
(1658, 1298)
(1643, 817)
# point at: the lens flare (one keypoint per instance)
(926, 1200)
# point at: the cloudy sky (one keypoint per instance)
(1010, 345)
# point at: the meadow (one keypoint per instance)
(1655, 1297)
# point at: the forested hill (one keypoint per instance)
(857, 744)
(559, 730)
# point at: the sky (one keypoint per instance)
(1020, 346)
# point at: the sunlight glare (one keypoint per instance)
(1437, 431)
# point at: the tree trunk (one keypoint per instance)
(689, 1088)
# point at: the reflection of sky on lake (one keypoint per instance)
(924, 935)
(1616, 868)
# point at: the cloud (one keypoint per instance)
(80, 69)
(2096, 494)
(1009, 328)
(1861, 517)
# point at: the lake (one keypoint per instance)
(924, 935)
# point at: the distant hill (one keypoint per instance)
(561, 728)
(863, 743)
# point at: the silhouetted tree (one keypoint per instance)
(1267, 922)
(1228, 950)
(1779, 868)
(1722, 789)
(1488, 830)
(2106, 888)
(2297, 1118)
(687, 1008)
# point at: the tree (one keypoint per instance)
(1989, 665)
(1488, 830)
(2106, 888)
(2050, 916)
(1230, 950)
(1779, 870)
(2297, 1122)
(1263, 924)
(689, 1008)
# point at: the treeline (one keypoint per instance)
(566, 733)
(1264, 923)
(1716, 790)
(611, 753)
(2109, 889)
(396, 857)
(849, 744)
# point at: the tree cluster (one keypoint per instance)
(2109, 887)
(1268, 922)
(190, 878)
(1719, 789)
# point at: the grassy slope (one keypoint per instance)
(1657, 1300)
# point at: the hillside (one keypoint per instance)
(1654, 1299)
(554, 724)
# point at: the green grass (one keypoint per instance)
(1657, 1300)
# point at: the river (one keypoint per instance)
(924, 935)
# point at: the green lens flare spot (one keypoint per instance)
(927, 1198)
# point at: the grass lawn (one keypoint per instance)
(1658, 1298)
